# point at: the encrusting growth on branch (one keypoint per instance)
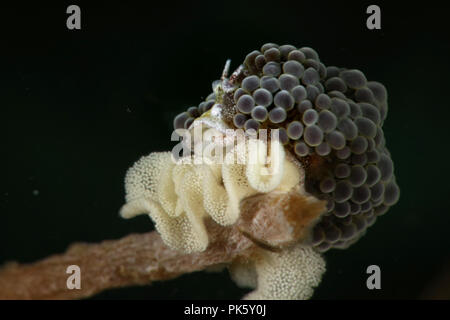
(139, 259)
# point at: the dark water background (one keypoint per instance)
(79, 107)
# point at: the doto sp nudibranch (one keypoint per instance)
(330, 149)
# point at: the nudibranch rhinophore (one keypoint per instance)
(330, 149)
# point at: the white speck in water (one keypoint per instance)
(35, 192)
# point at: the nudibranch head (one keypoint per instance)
(330, 118)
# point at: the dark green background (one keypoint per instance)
(79, 107)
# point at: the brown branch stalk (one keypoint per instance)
(139, 259)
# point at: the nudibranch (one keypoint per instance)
(330, 149)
